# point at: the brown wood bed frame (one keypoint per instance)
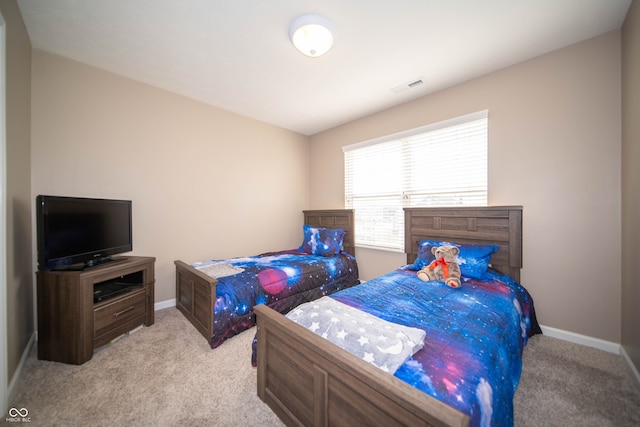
(309, 381)
(196, 291)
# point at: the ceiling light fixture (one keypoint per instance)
(312, 35)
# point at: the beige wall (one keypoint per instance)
(19, 274)
(205, 183)
(630, 186)
(554, 147)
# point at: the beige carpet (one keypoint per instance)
(566, 384)
(163, 375)
(166, 375)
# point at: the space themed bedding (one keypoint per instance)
(281, 280)
(470, 358)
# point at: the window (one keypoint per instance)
(444, 164)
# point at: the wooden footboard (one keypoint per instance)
(309, 381)
(195, 297)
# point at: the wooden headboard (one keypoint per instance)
(494, 225)
(335, 218)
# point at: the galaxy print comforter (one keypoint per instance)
(475, 336)
(281, 280)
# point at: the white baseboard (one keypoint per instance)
(634, 371)
(608, 346)
(164, 304)
(18, 373)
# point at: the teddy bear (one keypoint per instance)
(444, 268)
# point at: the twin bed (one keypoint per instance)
(218, 296)
(465, 370)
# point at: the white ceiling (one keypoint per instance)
(236, 55)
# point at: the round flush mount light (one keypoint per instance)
(312, 35)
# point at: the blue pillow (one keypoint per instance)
(473, 259)
(322, 241)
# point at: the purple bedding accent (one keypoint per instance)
(282, 280)
(475, 336)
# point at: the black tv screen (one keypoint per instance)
(77, 232)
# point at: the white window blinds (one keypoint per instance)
(444, 164)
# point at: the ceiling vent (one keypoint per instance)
(408, 85)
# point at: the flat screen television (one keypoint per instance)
(78, 233)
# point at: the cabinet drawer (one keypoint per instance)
(119, 311)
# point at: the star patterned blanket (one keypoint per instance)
(385, 345)
(471, 357)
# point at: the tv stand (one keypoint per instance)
(71, 325)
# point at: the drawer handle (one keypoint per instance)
(124, 311)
